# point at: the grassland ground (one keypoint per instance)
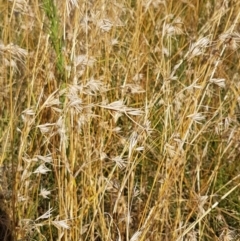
(120, 120)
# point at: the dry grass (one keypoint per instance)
(120, 119)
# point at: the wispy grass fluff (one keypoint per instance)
(120, 119)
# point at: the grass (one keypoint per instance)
(120, 120)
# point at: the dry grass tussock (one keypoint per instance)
(120, 120)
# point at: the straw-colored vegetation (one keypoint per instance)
(120, 120)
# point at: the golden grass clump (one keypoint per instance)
(120, 120)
